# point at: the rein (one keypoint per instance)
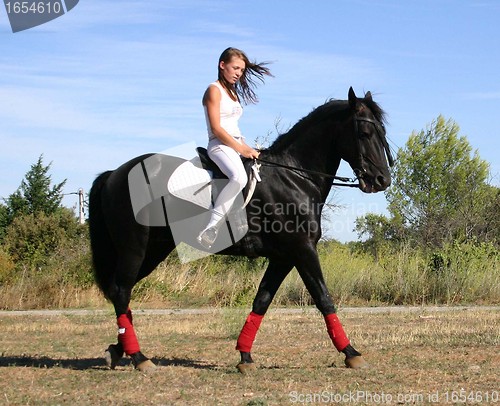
(324, 174)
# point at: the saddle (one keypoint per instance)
(200, 180)
(210, 165)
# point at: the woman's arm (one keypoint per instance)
(211, 100)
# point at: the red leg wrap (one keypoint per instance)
(336, 332)
(126, 334)
(248, 332)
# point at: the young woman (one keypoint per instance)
(221, 101)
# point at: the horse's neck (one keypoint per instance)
(311, 151)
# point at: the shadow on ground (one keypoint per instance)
(93, 363)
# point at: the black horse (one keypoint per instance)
(284, 219)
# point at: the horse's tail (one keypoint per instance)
(103, 251)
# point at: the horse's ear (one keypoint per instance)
(368, 96)
(352, 98)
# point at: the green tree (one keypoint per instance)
(34, 195)
(439, 185)
(377, 231)
(488, 226)
(4, 220)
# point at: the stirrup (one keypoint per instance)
(207, 237)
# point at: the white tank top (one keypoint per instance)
(230, 113)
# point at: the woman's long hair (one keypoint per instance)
(244, 89)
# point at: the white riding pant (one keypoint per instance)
(229, 162)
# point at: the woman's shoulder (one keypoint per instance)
(213, 91)
(214, 88)
(215, 84)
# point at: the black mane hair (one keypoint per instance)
(376, 110)
(331, 108)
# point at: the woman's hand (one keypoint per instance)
(248, 152)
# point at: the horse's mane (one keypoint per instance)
(332, 107)
(376, 110)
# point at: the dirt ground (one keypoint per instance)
(419, 356)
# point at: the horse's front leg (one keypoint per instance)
(308, 266)
(275, 273)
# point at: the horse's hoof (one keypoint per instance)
(112, 356)
(147, 366)
(246, 367)
(357, 362)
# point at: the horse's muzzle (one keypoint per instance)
(375, 184)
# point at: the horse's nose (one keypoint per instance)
(382, 182)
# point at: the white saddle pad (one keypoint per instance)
(192, 183)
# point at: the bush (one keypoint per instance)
(466, 272)
(6, 266)
(32, 238)
(65, 279)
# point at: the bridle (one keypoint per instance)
(380, 129)
(358, 172)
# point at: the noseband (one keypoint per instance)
(380, 129)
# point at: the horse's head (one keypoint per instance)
(370, 155)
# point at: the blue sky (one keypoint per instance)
(111, 80)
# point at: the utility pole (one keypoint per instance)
(81, 210)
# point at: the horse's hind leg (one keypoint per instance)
(115, 352)
(132, 270)
(271, 281)
(127, 338)
(126, 276)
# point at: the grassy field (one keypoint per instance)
(422, 357)
(463, 274)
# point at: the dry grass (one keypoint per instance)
(50, 295)
(56, 359)
(459, 274)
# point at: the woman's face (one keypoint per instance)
(233, 69)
